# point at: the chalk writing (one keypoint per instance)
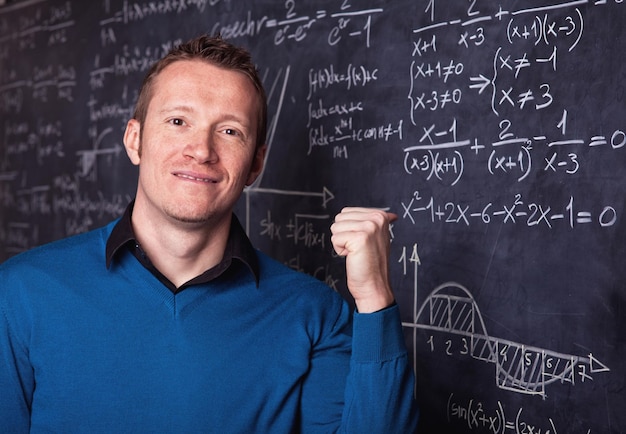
(480, 124)
(520, 368)
(516, 211)
(474, 414)
(352, 76)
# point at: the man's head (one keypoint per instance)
(197, 135)
(218, 52)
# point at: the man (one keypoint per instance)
(167, 320)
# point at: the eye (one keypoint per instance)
(231, 132)
(177, 122)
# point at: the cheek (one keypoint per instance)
(246, 166)
(156, 153)
(237, 161)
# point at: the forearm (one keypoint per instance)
(360, 377)
(379, 389)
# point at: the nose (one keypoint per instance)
(202, 148)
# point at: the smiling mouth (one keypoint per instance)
(194, 178)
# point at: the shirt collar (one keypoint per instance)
(238, 247)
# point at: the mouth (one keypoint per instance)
(197, 178)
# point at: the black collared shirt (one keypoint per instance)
(238, 248)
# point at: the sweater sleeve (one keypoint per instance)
(379, 388)
(361, 379)
(16, 377)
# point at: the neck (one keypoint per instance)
(179, 250)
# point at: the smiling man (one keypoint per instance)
(168, 320)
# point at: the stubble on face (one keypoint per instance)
(226, 176)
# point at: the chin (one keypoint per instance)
(192, 220)
(196, 212)
(189, 216)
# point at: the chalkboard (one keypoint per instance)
(495, 130)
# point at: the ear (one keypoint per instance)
(257, 164)
(132, 141)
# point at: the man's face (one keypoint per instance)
(197, 149)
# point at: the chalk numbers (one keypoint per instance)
(451, 347)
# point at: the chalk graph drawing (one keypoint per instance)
(276, 87)
(450, 308)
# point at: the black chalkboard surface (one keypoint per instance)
(495, 130)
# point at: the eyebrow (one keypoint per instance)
(242, 121)
(177, 108)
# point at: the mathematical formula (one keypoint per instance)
(456, 116)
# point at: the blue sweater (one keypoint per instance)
(88, 349)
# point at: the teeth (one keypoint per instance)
(194, 178)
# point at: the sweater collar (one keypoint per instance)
(238, 247)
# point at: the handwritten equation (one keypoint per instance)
(456, 115)
(293, 25)
(475, 415)
(440, 152)
(517, 211)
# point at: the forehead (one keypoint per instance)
(198, 78)
(205, 74)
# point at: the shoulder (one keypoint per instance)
(272, 270)
(275, 276)
(60, 257)
(303, 299)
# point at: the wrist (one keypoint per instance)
(373, 304)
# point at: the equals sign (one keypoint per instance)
(320, 14)
(583, 217)
(597, 141)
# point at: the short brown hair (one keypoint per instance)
(216, 51)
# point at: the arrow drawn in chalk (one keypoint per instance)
(325, 194)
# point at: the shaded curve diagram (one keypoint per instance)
(520, 368)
